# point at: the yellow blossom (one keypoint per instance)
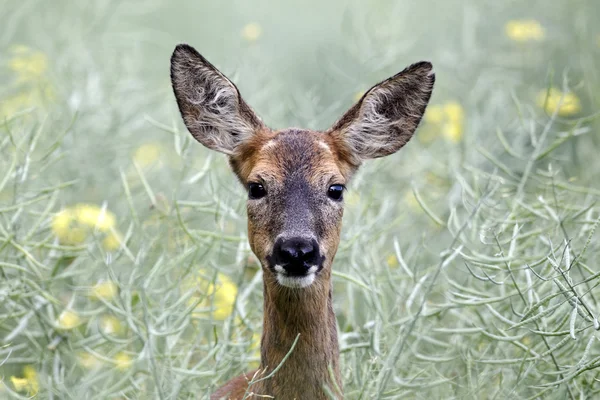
(68, 319)
(392, 261)
(524, 30)
(251, 32)
(95, 217)
(565, 103)
(73, 225)
(453, 131)
(88, 361)
(219, 296)
(435, 114)
(28, 383)
(110, 325)
(20, 384)
(112, 241)
(147, 154)
(32, 88)
(446, 118)
(122, 361)
(453, 126)
(63, 225)
(224, 294)
(105, 290)
(27, 63)
(454, 111)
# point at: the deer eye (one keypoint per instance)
(335, 192)
(256, 191)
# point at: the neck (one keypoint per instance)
(307, 312)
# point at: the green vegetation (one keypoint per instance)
(468, 266)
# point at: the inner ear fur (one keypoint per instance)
(211, 105)
(387, 115)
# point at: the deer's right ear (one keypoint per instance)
(210, 104)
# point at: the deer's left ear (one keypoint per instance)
(387, 115)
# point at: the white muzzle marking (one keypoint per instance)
(296, 282)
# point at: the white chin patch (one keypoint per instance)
(296, 282)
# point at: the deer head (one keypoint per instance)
(296, 178)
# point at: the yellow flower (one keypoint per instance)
(566, 103)
(20, 384)
(95, 217)
(435, 114)
(251, 32)
(27, 63)
(33, 89)
(222, 293)
(73, 225)
(28, 383)
(147, 154)
(68, 319)
(454, 111)
(88, 361)
(453, 127)
(448, 119)
(122, 361)
(524, 30)
(392, 261)
(112, 241)
(453, 131)
(63, 225)
(110, 325)
(105, 290)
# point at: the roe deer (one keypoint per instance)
(295, 180)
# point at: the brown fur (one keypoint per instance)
(235, 388)
(296, 167)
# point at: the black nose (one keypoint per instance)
(296, 255)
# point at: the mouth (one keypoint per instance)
(295, 281)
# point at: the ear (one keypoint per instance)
(210, 104)
(387, 115)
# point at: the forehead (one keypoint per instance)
(293, 152)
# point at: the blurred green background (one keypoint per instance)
(468, 266)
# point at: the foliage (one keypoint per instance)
(468, 263)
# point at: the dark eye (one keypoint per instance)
(335, 192)
(256, 191)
